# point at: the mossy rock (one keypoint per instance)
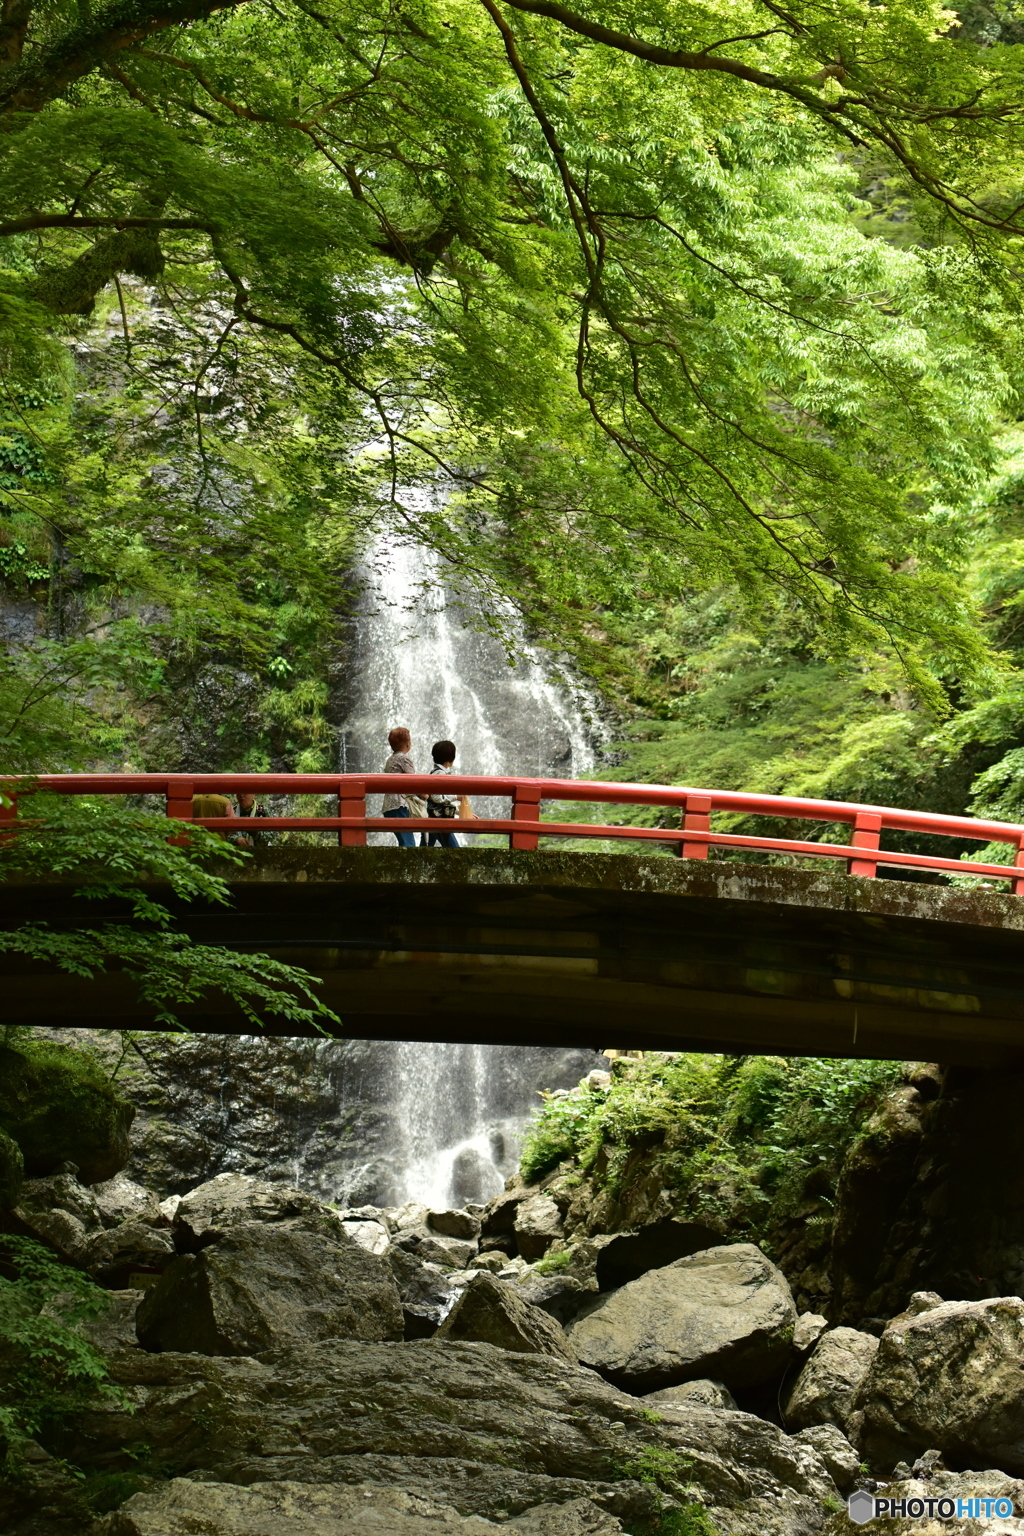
(59, 1107)
(12, 1171)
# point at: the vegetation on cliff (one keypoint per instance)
(742, 1144)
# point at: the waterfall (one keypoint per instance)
(417, 662)
(456, 1112)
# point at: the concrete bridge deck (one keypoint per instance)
(573, 948)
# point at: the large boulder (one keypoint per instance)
(561, 1295)
(491, 1311)
(60, 1212)
(951, 1378)
(489, 1432)
(689, 1394)
(936, 1485)
(827, 1385)
(837, 1454)
(454, 1224)
(120, 1199)
(58, 1105)
(628, 1255)
(231, 1198)
(434, 1247)
(538, 1221)
(12, 1171)
(263, 1285)
(113, 1256)
(726, 1313)
(182, 1507)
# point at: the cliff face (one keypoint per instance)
(344, 1119)
(924, 1192)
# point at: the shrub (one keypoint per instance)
(48, 1371)
(57, 1104)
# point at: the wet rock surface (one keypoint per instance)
(952, 1378)
(492, 1312)
(261, 1285)
(725, 1313)
(332, 1116)
(826, 1387)
(481, 1429)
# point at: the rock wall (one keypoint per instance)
(352, 1121)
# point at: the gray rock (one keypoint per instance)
(826, 1387)
(433, 1248)
(580, 1517)
(726, 1313)
(230, 1198)
(113, 1256)
(262, 1285)
(625, 1256)
(538, 1221)
(809, 1328)
(561, 1295)
(121, 1199)
(492, 1262)
(491, 1311)
(837, 1454)
(113, 1329)
(412, 1214)
(60, 1212)
(376, 1213)
(371, 1235)
(467, 1425)
(702, 1394)
(951, 1378)
(182, 1507)
(499, 1218)
(454, 1224)
(939, 1485)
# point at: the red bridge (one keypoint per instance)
(685, 823)
(568, 945)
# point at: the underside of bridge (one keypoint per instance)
(601, 950)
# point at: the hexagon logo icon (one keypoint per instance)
(861, 1507)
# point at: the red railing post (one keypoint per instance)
(1017, 883)
(696, 818)
(8, 813)
(525, 807)
(179, 804)
(867, 831)
(351, 807)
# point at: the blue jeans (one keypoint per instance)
(443, 840)
(405, 839)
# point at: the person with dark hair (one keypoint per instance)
(439, 805)
(396, 805)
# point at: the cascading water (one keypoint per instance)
(456, 1111)
(416, 663)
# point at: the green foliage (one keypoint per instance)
(319, 263)
(736, 1137)
(48, 1371)
(691, 1520)
(554, 1263)
(111, 852)
(58, 1106)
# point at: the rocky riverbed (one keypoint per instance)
(288, 1366)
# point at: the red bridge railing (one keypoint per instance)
(689, 810)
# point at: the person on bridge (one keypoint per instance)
(402, 806)
(442, 806)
